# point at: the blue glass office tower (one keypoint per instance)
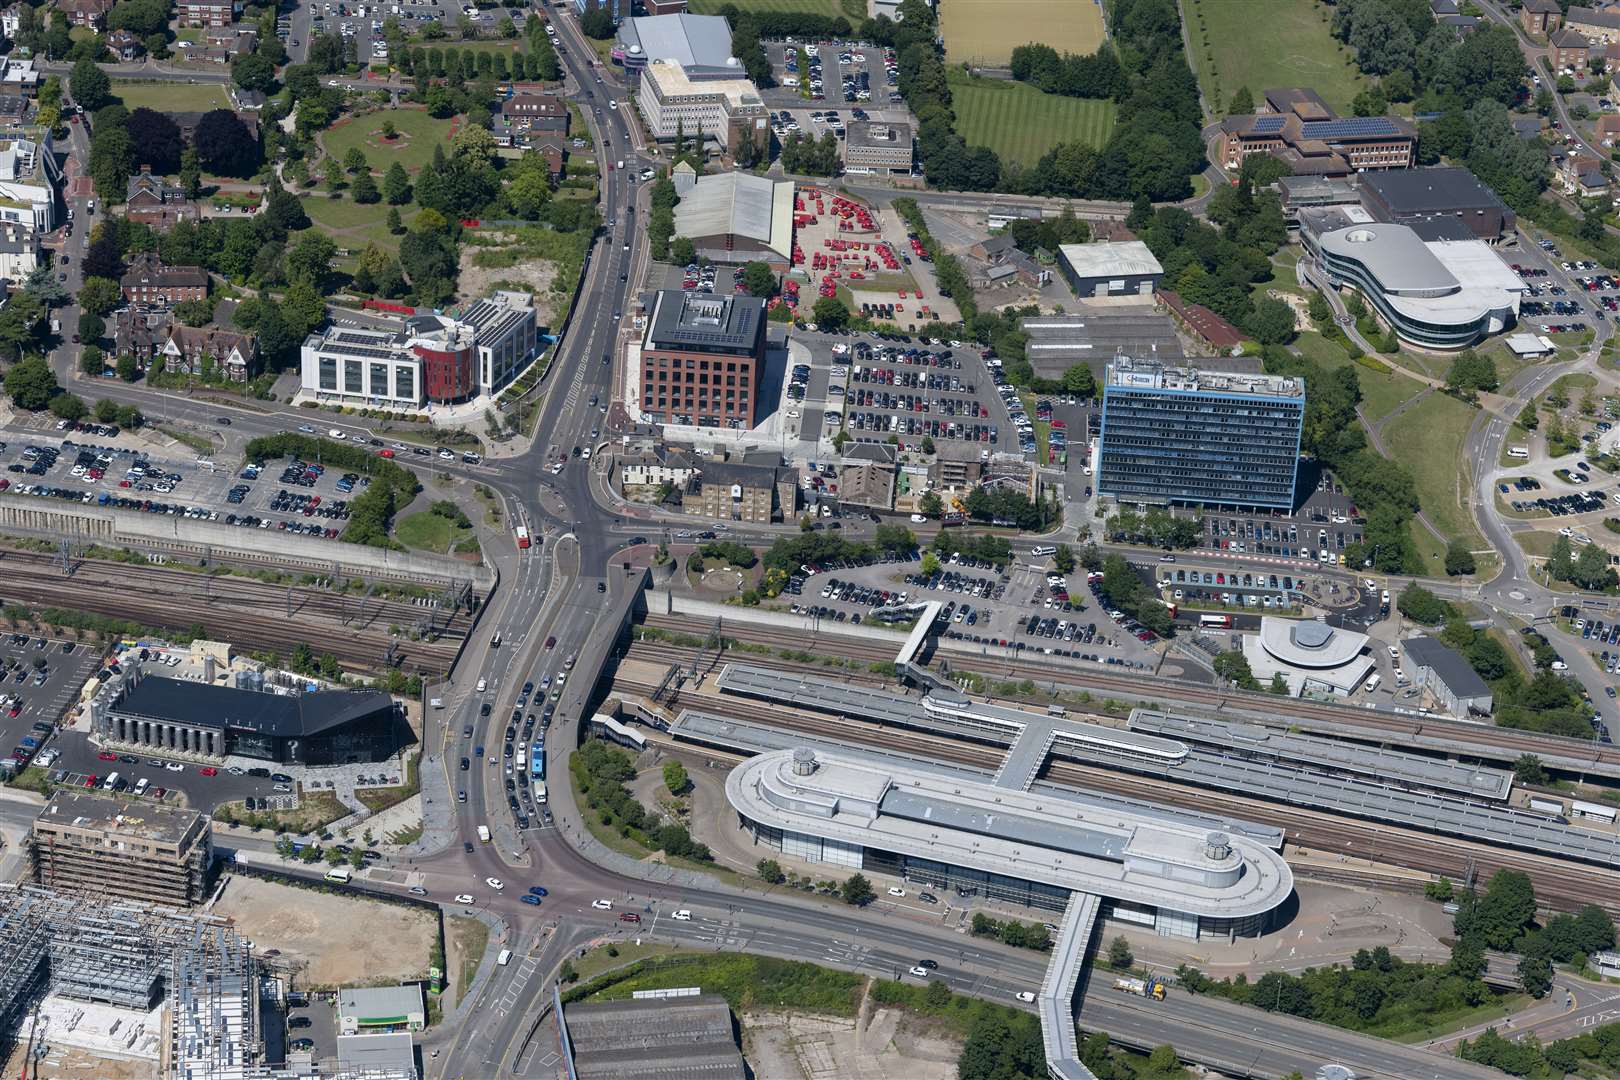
(1180, 436)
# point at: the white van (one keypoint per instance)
(1518, 451)
(1372, 684)
(682, 915)
(141, 785)
(504, 958)
(1043, 551)
(111, 783)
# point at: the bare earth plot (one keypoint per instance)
(887, 1045)
(341, 940)
(986, 31)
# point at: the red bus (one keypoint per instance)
(1215, 620)
(522, 536)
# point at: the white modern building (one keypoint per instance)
(1024, 847)
(1314, 659)
(1445, 293)
(440, 359)
(676, 101)
(29, 179)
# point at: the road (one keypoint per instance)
(552, 591)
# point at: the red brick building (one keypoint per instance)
(701, 359)
(1299, 127)
(1540, 16)
(149, 282)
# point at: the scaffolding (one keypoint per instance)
(133, 955)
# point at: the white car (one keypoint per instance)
(895, 890)
(464, 898)
(174, 766)
(612, 104)
(918, 519)
(602, 905)
(336, 434)
(495, 883)
(682, 915)
(1025, 996)
(920, 972)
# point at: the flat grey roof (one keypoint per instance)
(220, 707)
(1027, 830)
(1127, 258)
(739, 203)
(378, 1054)
(684, 320)
(1419, 191)
(1448, 666)
(749, 738)
(373, 1002)
(1395, 255)
(1391, 766)
(1424, 811)
(693, 41)
(687, 1038)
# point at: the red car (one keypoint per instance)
(629, 916)
(386, 453)
(158, 793)
(92, 780)
(104, 756)
(209, 770)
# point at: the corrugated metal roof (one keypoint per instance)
(742, 204)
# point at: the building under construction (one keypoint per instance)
(136, 850)
(135, 956)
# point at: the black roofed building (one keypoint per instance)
(319, 727)
(701, 358)
(1447, 677)
(1409, 196)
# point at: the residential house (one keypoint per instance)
(1596, 24)
(1461, 25)
(1527, 127)
(1608, 130)
(248, 100)
(739, 491)
(866, 476)
(150, 283)
(235, 38)
(656, 466)
(1582, 175)
(998, 261)
(125, 45)
(207, 12)
(1540, 16)
(1441, 8)
(538, 112)
(1570, 49)
(91, 13)
(154, 201)
(193, 349)
(11, 21)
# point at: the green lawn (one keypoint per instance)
(353, 225)
(428, 532)
(172, 96)
(1266, 44)
(1428, 439)
(1019, 122)
(412, 147)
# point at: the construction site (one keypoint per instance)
(115, 988)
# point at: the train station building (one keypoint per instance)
(1007, 844)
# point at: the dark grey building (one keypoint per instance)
(675, 1038)
(321, 727)
(1059, 342)
(1180, 436)
(1450, 679)
(1410, 196)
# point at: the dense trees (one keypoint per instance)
(808, 156)
(1072, 75)
(89, 85)
(154, 139)
(225, 146)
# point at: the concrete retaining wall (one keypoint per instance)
(176, 535)
(665, 602)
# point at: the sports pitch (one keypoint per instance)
(985, 32)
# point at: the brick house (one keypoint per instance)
(91, 13)
(189, 349)
(125, 45)
(1570, 50)
(207, 12)
(148, 282)
(153, 201)
(1540, 16)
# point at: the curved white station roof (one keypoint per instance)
(1110, 852)
(1310, 644)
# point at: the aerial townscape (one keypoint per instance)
(809, 539)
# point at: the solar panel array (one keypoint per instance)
(1266, 125)
(1350, 127)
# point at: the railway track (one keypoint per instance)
(225, 615)
(1374, 726)
(261, 595)
(1559, 885)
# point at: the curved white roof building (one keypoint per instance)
(1444, 294)
(1011, 845)
(1311, 656)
